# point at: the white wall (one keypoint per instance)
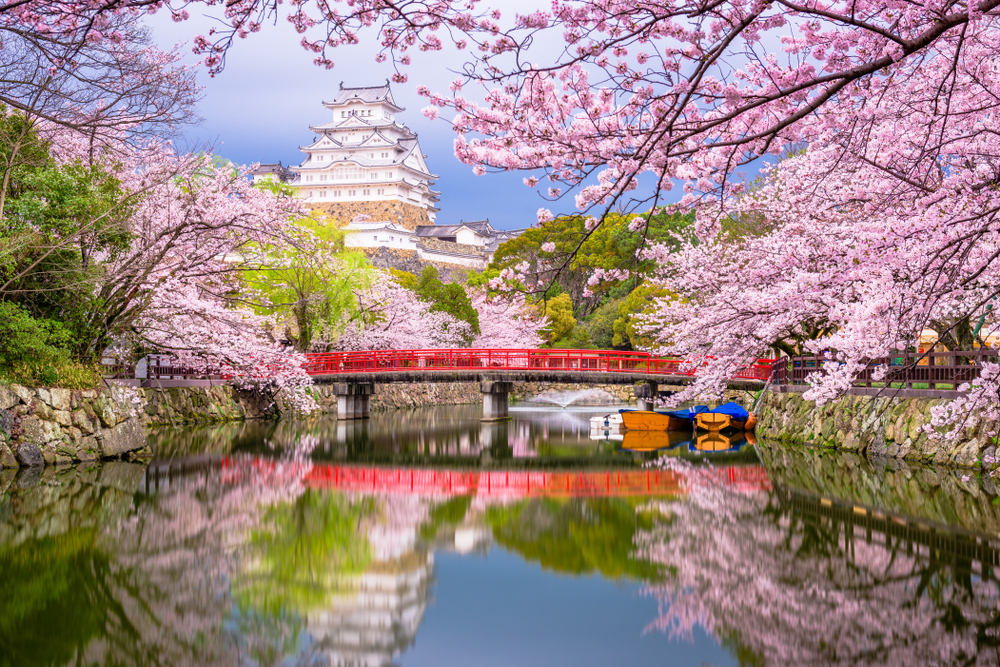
(386, 238)
(469, 237)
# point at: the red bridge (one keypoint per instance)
(353, 375)
(426, 365)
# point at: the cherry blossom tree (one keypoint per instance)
(394, 318)
(170, 286)
(507, 322)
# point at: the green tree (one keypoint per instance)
(450, 298)
(640, 300)
(559, 310)
(311, 283)
(601, 324)
(578, 252)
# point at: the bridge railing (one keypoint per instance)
(606, 361)
(922, 370)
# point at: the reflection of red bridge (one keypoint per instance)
(530, 484)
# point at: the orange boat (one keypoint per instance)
(648, 420)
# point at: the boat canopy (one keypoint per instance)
(734, 410)
(688, 413)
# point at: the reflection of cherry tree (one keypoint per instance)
(798, 594)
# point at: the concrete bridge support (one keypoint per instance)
(353, 399)
(496, 399)
(645, 394)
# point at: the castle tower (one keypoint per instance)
(365, 162)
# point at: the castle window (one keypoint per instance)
(323, 194)
(322, 178)
(343, 114)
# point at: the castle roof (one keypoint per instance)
(367, 94)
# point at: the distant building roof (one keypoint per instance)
(283, 173)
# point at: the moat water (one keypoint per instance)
(426, 537)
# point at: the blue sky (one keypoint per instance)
(259, 110)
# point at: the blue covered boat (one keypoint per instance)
(656, 420)
(726, 416)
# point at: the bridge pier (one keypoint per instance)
(496, 399)
(353, 399)
(645, 395)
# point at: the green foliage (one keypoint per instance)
(306, 557)
(55, 220)
(311, 285)
(560, 313)
(481, 280)
(35, 351)
(450, 298)
(609, 246)
(640, 300)
(601, 324)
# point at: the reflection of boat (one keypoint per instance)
(713, 441)
(648, 441)
(726, 416)
(606, 435)
(649, 420)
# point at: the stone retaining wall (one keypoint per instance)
(40, 426)
(878, 426)
(46, 426)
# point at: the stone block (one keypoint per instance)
(60, 399)
(6, 424)
(23, 393)
(105, 411)
(124, 437)
(29, 455)
(62, 417)
(44, 395)
(7, 458)
(83, 422)
(8, 398)
(65, 449)
(37, 431)
(41, 409)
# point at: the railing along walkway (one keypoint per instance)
(930, 374)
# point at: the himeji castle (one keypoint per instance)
(363, 161)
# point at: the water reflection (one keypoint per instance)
(247, 559)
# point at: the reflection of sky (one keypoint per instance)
(503, 611)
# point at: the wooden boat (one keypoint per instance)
(650, 420)
(726, 416)
(651, 441)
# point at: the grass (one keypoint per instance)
(68, 374)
